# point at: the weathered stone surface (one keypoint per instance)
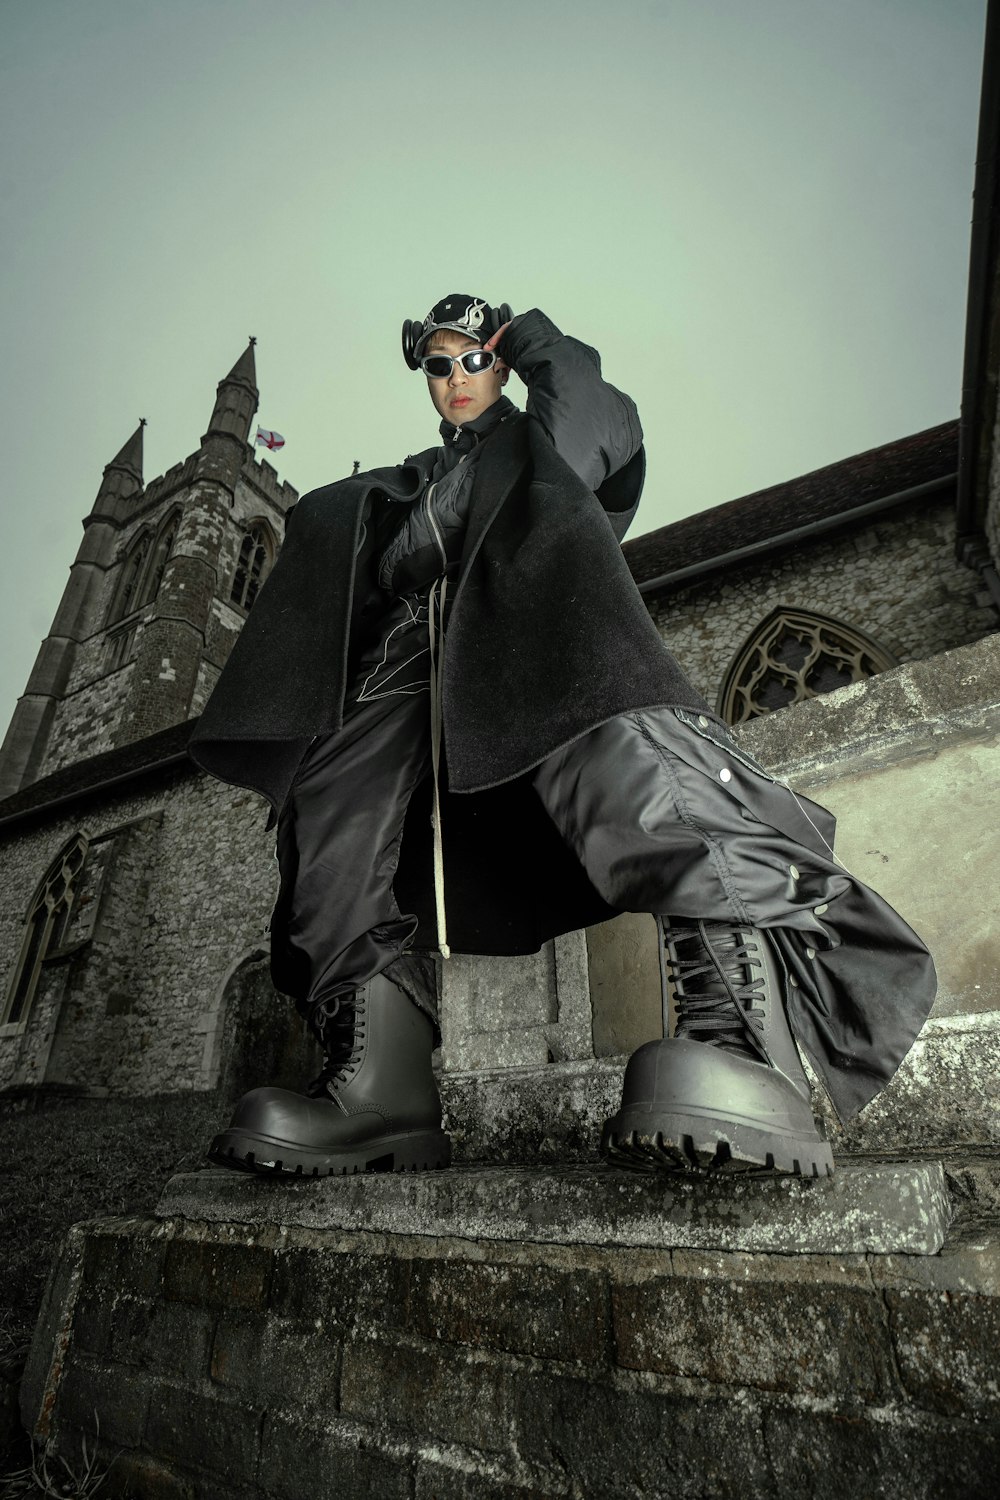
(45, 1363)
(547, 1114)
(829, 1455)
(624, 983)
(253, 1358)
(955, 1372)
(941, 694)
(546, 1312)
(517, 1011)
(133, 1474)
(888, 1207)
(625, 1437)
(535, 1368)
(968, 1262)
(974, 1182)
(178, 633)
(98, 1396)
(943, 1097)
(368, 1290)
(478, 1480)
(332, 1458)
(201, 1429)
(115, 1258)
(442, 1394)
(213, 1275)
(801, 1338)
(938, 796)
(167, 1337)
(181, 914)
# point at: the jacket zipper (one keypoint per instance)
(435, 528)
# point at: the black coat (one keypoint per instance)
(548, 637)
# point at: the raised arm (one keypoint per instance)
(594, 426)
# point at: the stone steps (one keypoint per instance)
(438, 1335)
(943, 1098)
(883, 1208)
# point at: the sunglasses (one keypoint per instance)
(473, 362)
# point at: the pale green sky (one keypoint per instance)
(757, 210)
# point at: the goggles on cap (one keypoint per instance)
(473, 362)
(460, 313)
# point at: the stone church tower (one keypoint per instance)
(162, 582)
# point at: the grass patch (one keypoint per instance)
(86, 1160)
(90, 1159)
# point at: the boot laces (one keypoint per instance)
(339, 1026)
(716, 988)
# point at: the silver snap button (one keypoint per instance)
(793, 872)
(819, 910)
(703, 721)
(725, 775)
(793, 981)
(810, 953)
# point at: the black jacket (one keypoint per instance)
(548, 637)
(548, 634)
(592, 425)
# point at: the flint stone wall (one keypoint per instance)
(898, 580)
(186, 899)
(88, 718)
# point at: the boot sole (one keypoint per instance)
(675, 1141)
(410, 1151)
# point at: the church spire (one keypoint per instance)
(236, 399)
(244, 371)
(123, 475)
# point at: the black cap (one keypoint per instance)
(460, 313)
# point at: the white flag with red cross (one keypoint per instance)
(270, 440)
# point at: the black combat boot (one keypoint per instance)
(373, 1108)
(727, 1091)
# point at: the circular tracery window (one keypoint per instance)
(795, 654)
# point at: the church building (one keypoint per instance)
(136, 891)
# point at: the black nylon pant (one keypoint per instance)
(339, 832)
(665, 814)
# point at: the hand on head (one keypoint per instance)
(491, 342)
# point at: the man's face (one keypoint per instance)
(460, 397)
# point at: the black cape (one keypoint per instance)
(547, 638)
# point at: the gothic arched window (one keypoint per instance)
(252, 566)
(795, 654)
(44, 927)
(160, 558)
(118, 648)
(127, 597)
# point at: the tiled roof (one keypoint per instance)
(91, 774)
(821, 495)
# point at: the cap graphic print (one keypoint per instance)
(458, 312)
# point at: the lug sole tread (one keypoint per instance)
(680, 1152)
(356, 1164)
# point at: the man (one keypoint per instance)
(456, 641)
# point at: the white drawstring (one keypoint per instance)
(436, 633)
